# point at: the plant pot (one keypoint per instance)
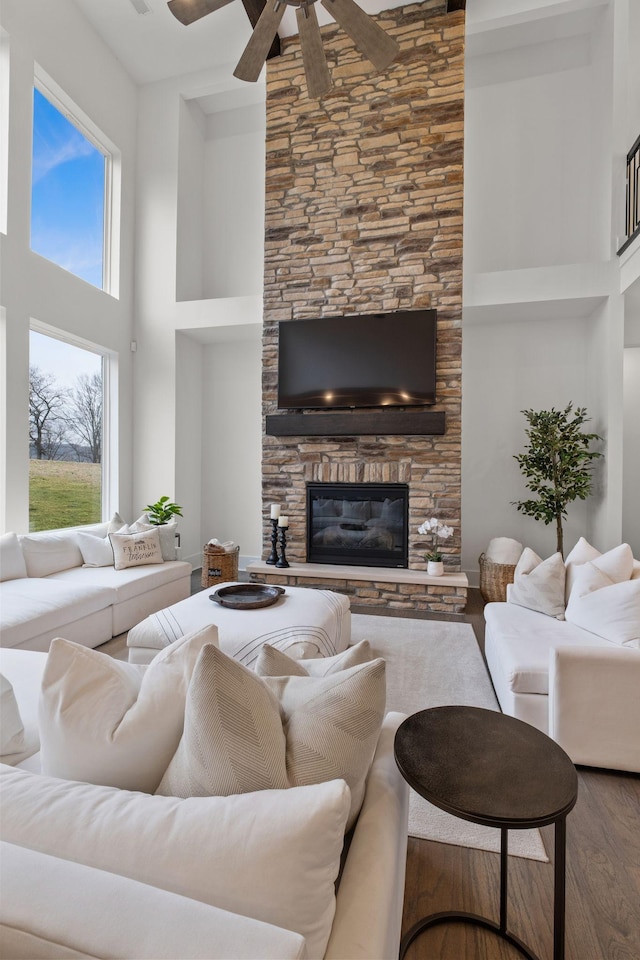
(435, 568)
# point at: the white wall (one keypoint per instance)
(631, 508)
(234, 202)
(532, 164)
(190, 414)
(543, 314)
(61, 42)
(190, 208)
(231, 435)
(509, 366)
(169, 145)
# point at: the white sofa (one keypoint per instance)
(93, 871)
(45, 591)
(569, 681)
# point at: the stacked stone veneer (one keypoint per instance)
(364, 214)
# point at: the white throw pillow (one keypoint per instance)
(272, 855)
(11, 726)
(12, 565)
(166, 531)
(135, 549)
(318, 729)
(581, 553)
(332, 725)
(617, 563)
(272, 662)
(539, 584)
(105, 721)
(96, 551)
(610, 610)
(47, 553)
(233, 740)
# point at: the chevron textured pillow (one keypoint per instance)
(274, 663)
(243, 733)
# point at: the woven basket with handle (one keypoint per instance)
(494, 578)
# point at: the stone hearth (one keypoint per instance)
(399, 589)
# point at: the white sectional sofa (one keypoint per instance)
(46, 592)
(94, 871)
(578, 678)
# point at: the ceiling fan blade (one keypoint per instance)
(315, 62)
(188, 11)
(255, 53)
(370, 39)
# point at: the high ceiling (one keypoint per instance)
(152, 45)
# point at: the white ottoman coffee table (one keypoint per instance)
(303, 622)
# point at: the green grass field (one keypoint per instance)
(63, 494)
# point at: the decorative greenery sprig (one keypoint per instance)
(435, 530)
(162, 511)
(556, 464)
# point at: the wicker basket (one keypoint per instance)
(218, 565)
(494, 578)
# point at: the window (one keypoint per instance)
(70, 181)
(66, 417)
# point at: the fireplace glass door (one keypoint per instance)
(358, 523)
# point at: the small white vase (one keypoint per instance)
(435, 568)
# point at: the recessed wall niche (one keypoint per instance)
(220, 198)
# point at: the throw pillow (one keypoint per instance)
(617, 564)
(272, 855)
(332, 726)
(105, 721)
(328, 729)
(46, 553)
(608, 609)
(166, 532)
(274, 663)
(12, 565)
(11, 726)
(233, 740)
(135, 549)
(96, 551)
(539, 584)
(581, 553)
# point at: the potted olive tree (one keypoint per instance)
(557, 464)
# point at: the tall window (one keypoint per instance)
(66, 403)
(68, 192)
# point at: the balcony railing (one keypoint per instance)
(632, 221)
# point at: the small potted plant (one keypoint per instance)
(436, 531)
(162, 511)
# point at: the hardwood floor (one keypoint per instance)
(603, 875)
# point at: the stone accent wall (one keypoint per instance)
(364, 214)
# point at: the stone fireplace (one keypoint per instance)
(364, 214)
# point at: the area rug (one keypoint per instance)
(432, 663)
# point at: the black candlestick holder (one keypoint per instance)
(282, 560)
(273, 556)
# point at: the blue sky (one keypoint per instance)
(67, 197)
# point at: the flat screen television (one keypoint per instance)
(368, 360)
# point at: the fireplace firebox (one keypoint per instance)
(358, 523)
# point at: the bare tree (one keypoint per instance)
(47, 420)
(84, 416)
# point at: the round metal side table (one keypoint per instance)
(486, 767)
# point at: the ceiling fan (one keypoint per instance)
(370, 39)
